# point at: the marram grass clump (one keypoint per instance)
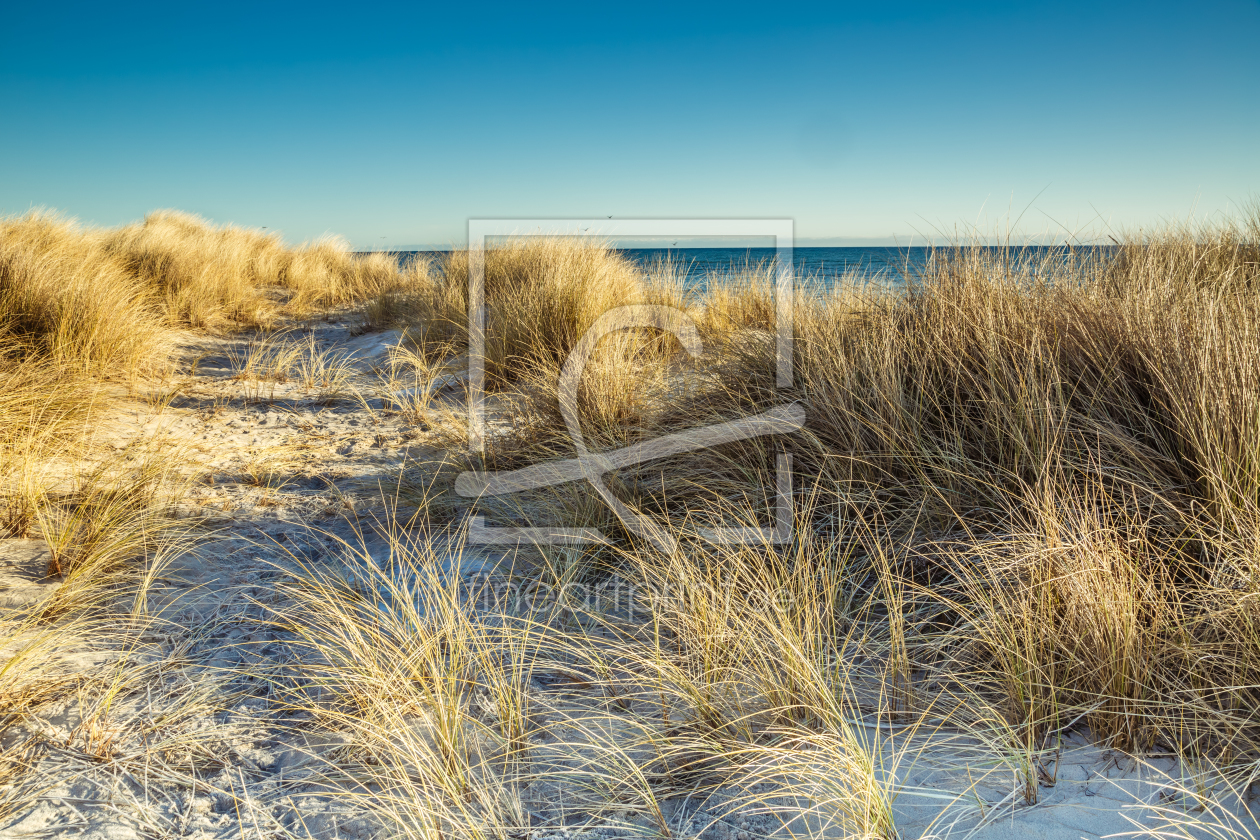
(105, 300)
(205, 275)
(1056, 457)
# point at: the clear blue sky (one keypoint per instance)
(392, 126)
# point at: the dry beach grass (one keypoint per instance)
(1026, 517)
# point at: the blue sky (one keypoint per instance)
(392, 126)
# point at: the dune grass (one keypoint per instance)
(83, 311)
(105, 299)
(1052, 458)
(82, 308)
(542, 294)
(1026, 503)
(449, 734)
(65, 297)
(205, 276)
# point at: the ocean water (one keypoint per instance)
(823, 263)
(703, 266)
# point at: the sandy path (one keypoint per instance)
(277, 460)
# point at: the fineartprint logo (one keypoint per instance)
(594, 466)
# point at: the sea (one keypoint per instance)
(701, 267)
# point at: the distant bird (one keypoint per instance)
(675, 243)
(610, 217)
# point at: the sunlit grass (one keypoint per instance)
(1026, 505)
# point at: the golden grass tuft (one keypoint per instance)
(207, 276)
(104, 300)
(69, 299)
(1052, 456)
(542, 294)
